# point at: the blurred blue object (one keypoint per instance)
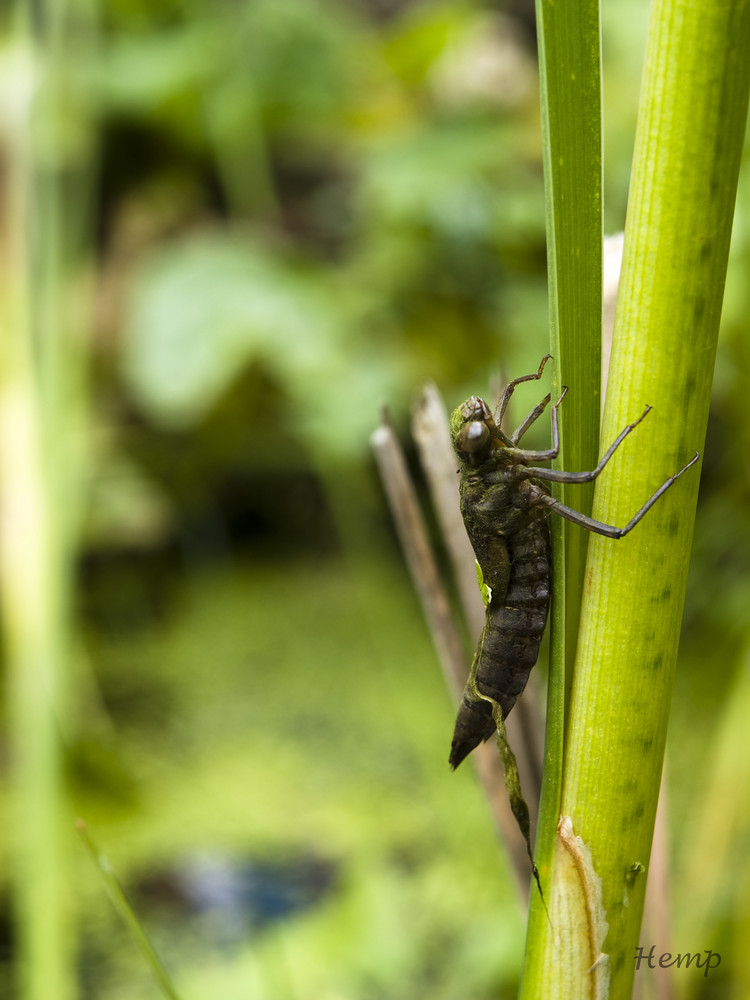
(234, 899)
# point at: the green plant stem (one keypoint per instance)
(42, 319)
(127, 914)
(691, 123)
(570, 79)
(30, 596)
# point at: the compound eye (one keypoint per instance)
(475, 436)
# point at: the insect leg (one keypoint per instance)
(535, 413)
(544, 456)
(609, 530)
(558, 476)
(508, 391)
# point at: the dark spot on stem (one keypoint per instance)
(633, 871)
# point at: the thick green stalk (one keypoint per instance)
(43, 319)
(692, 117)
(30, 604)
(570, 79)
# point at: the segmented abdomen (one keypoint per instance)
(509, 644)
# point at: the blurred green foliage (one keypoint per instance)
(308, 208)
(320, 244)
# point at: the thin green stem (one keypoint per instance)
(125, 910)
(570, 76)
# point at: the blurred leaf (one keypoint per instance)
(421, 36)
(472, 164)
(295, 59)
(299, 53)
(203, 309)
(157, 80)
(142, 71)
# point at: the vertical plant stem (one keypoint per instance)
(570, 72)
(570, 78)
(28, 577)
(42, 319)
(691, 123)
